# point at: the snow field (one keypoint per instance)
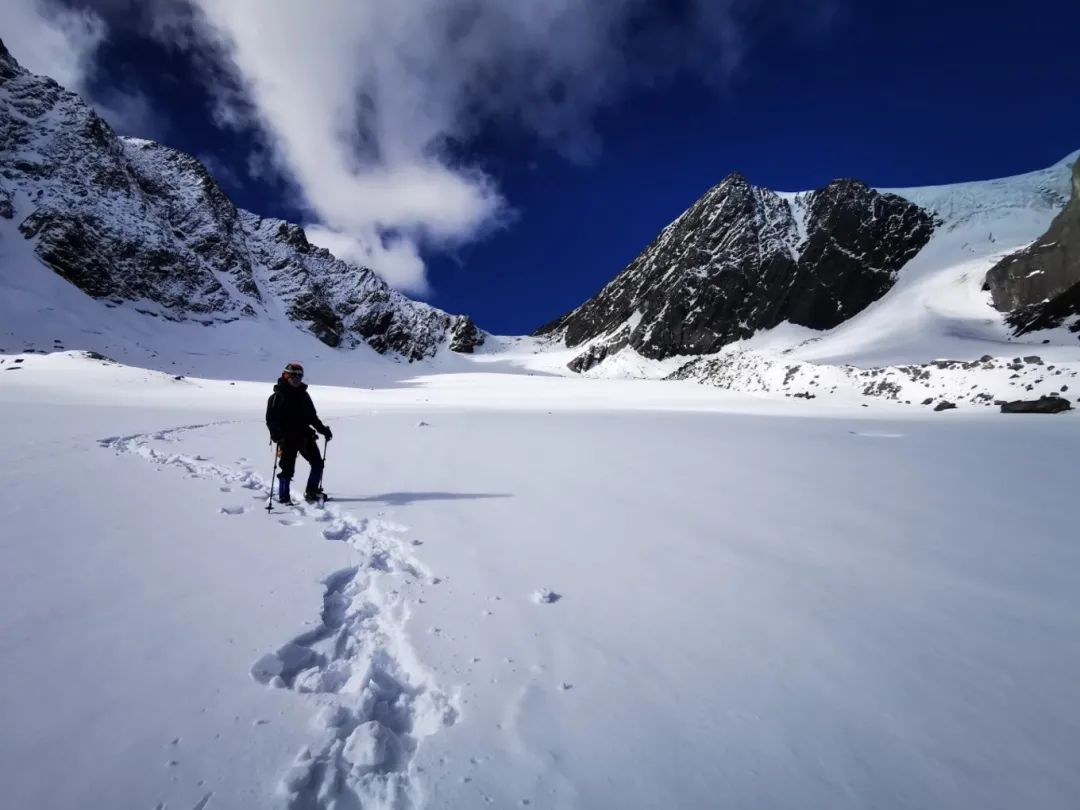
(571, 593)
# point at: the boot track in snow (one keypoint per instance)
(368, 692)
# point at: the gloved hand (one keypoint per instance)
(325, 431)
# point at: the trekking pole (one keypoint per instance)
(270, 500)
(326, 444)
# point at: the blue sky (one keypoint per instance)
(914, 93)
(507, 160)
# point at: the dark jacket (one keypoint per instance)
(290, 413)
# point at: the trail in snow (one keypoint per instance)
(371, 699)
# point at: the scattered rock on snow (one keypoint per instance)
(1041, 405)
(545, 596)
(944, 405)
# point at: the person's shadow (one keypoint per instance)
(406, 498)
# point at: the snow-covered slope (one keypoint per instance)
(938, 307)
(141, 227)
(933, 336)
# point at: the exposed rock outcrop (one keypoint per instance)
(985, 382)
(465, 336)
(1040, 285)
(1045, 404)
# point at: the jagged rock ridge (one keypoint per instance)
(1040, 286)
(744, 258)
(129, 220)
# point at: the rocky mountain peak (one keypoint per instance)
(294, 235)
(734, 178)
(744, 258)
(7, 61)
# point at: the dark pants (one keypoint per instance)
(308, 447)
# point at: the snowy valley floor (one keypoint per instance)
(532, 591)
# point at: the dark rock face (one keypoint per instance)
(1040, 405)
(140, 223)
(129, 220)
(314, 308)
(595, 355)
(465, 336)
(857, 240)
(1040, 285)
(744, 258)
(1050, 314)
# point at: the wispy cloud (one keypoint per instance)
(59, 41)
(396, 257)
(53, 40)
(363, 104)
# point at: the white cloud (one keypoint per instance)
(358, 98)
(52, 40)
(355, 126)
(60, 42)
(397, 259)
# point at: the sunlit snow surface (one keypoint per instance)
(566, 592)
